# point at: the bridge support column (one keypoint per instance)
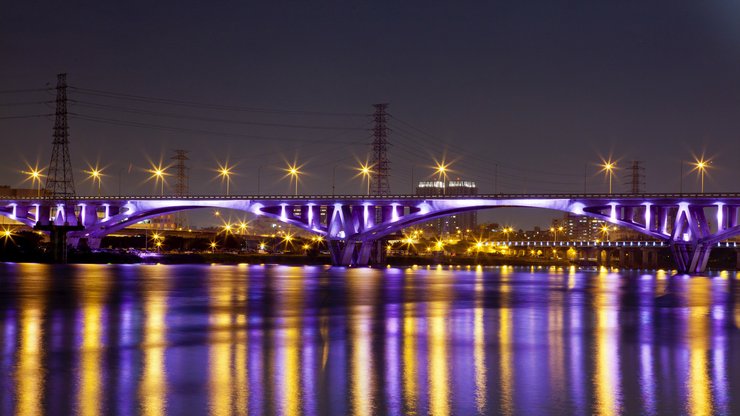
(690, 258)
(649, 258)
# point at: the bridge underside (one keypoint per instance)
(354, 227)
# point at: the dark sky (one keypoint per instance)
(540, 88)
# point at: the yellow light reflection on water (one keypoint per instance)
(607, 384)
(219, 340)
(153, 386)
(698, 332)
(439, 383)
(29, 374)
(410, 366)
(94, 286)
(362, 285)
(555, 322)
(479, 339)
(288, 336)
(504, 339)
(362, 361)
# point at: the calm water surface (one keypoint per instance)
(120, 340)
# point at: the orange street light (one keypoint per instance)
(608, 167)
(700, 166)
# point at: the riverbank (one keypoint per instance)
(288, 259)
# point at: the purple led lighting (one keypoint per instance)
(283, 214)
(720, 216)
(613, 212)
(648, 205)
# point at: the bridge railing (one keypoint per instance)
(600, 196)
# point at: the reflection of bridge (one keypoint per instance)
(354, 225)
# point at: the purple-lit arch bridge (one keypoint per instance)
(354, 226)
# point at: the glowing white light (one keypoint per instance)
(720, 216)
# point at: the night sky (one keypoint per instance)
(541, 89)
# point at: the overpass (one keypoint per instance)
(353, 226)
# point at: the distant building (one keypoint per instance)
(6, 191)
(582, 228)
(457, 224)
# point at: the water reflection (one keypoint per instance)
(153, 386)
(241, 340)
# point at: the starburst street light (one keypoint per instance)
(608, 167)
(605, 230)
(700, 166)
(365, 170)
(555, 231)
(158, 173)
(96, 175)
(34, 174)
(6, 234)
(293, 171)
(441, 170)
(225, 172)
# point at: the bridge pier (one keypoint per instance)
(649, 258)
(690, 258)
(351, 253)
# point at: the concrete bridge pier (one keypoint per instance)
(649, 258)
(690, 258)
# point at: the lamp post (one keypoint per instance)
(158, 173)
(700, 166)
(34, 174)
(293, 172)
(96, 174)
(365, 171)
(224, 171)
(608, 167)
(441, 171)
(605, 231)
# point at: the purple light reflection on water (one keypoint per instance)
(315, 340)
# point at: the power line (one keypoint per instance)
(24, 103)
(25, 116)
(209, 119)
(159, 100)
(24, 90)
(126, 123)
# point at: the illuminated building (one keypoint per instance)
(456, 224)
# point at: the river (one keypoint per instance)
(256, 339)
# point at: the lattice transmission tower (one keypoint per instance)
(380, 184)
(181, 184)
(635, 177)
(181, 172)
(60, 182)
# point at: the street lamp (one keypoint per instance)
(293, 171)
(507, 231)
(158, 173)
(605, 230)
(441, 171)
(96, 174)
(365, 170)
(555, 232)
(700, 166)
(224, 171)
(608, 166)
(35, 175)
